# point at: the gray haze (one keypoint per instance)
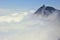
(44, 24)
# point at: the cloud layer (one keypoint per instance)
(10, 16)
(26, 26)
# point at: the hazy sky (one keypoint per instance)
(27, 4)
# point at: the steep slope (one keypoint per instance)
(45, 10)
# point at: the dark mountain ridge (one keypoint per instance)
(46, 10)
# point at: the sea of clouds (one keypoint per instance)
(27, 26)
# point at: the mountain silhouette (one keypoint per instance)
(45, 10)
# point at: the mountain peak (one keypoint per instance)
(45, 10)
(40, 9)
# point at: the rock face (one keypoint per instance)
(46, 10)
(39, 11)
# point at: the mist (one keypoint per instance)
(31, 26)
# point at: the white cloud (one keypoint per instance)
(5, 11)
(32, 28)
(11, 32)
(10, 15)
(16, 17)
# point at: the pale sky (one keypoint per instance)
(27, 4)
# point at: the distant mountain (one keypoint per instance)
(46, 10)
